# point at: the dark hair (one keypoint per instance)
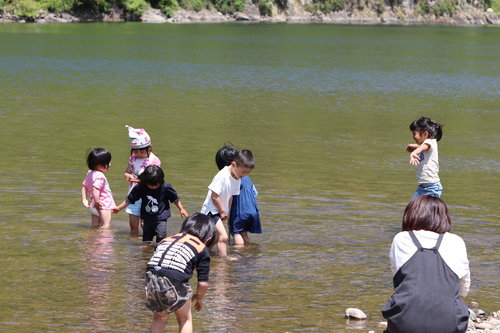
(201, 226)
(98, 157)
(423, 124)
(426, 212)
(148, 148)
(225, 156)
(244, 158)
(153, 175)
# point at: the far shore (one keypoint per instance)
(469, 17)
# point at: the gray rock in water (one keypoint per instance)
(354, 313)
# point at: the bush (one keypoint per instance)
(57, 6)
(265, 8)
(442, 7)
(229, 6)
(326, 6)
(169, 7)
(136, 7)
(27, 8)
(195, 5)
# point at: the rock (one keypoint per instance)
(472, 316)
(355, 314)
(153, 16)
(490, 10)
(241, 17)
(54, 18)
(483, 326)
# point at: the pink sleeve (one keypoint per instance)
(99, 181)
(156, 161)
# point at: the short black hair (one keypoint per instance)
(98, 157)
(153, 175)
(244, 158)
(225, 156)
(425, 124)
(201, 226)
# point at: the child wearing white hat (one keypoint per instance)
(141, 157)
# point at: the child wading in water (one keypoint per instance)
(155, 207)
(225, 184)
(244, 216)
(170, 268)
(141, 157)
(97, 188)
(424, 155)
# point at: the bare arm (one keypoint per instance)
(128, 174)
(218, 204)
(183, 212)
(84, 196)
(97, 196)
(120, 207)
(414, 158)
(200, 292)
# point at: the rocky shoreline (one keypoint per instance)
(368, 13)
(479, 321)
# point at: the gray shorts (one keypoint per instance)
(165, 294)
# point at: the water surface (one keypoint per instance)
(324, 108)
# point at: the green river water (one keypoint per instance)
(324, 108)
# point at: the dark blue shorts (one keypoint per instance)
(154, 228)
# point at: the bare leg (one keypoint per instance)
(134, 221)
(185, 318)
(241, 239)
(222, 235)
(96, 221)
(105, 218)
(160, 320)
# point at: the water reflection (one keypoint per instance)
(99, 274)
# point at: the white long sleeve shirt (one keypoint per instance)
(452, 250)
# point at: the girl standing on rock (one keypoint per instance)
(431, 273)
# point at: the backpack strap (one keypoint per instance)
(438, 243)
(415, 240)
(168, 248)
(419, 246)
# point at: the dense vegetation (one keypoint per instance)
(29, 9)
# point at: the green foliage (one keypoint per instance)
(326, 6)
(493, 4)
(169, 7)
(136, 7)
(195, 5)
(422, 8)
(265, 8)
(445, 7)
(27, 8)
(229, 6)
(57, 6)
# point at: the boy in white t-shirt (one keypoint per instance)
(220, 194)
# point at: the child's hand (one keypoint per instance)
(183, 212)
(97, 205)
(115, 210)
(130, 177)
(223, 216)
(414, 159)
(199, 302)
(86, 203)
